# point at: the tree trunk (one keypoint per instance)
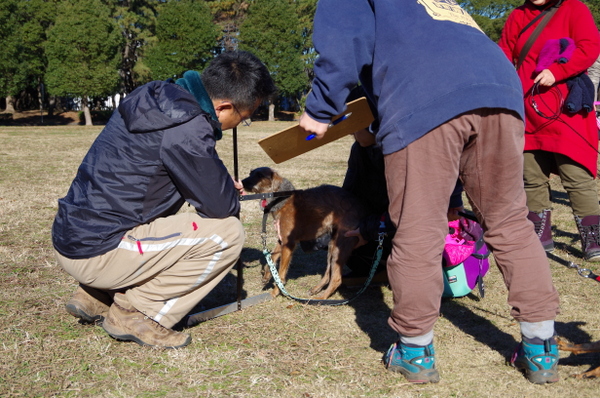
(41, 95)
(51, 105)
(271, 112)
(10, 104)
(86, 111)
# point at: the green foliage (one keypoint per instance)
(228, 15)
(137, 22)
(490, 15)
(83, 50)
(306, 13)
(594, 6)
(10, 43)
(23, 27)
(185, 39)
(271, 31)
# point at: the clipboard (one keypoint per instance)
(291, 142)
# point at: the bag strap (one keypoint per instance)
(546, 15)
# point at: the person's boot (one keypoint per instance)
(126, 323)
(537, 359)
(416, 363)
(589, 230)
(89, 304)
(543, 227)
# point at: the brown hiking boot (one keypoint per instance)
(89, 304)
(124, 322)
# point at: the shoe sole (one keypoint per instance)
(130, 337)
(537, 377)
(594, 258)
(79, 313)
(417, 378)
(548, 247)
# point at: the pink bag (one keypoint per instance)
(461, 276)
(457, 248)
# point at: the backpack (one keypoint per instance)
(465, 259)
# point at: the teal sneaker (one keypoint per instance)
(538, 359)
(416, 363)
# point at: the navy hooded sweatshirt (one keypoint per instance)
(156, 152)
(422, 62)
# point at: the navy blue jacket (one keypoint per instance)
(156, 152)
(420, 62)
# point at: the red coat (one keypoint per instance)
(573, 19)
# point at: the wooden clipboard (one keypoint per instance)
(291, 142)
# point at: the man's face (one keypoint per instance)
(230, 115)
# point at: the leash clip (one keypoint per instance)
(585, 272)
(380, 238)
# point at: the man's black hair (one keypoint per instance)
(240, 77)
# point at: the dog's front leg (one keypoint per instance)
(284, 263)
(576, 349)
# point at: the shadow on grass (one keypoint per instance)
(572, 332)
(481, 328)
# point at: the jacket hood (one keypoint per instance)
(158, 105)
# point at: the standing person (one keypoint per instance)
(556, 139)
(142, 267)
(449, 104)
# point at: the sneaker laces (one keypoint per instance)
(591, 235)
(540, 225)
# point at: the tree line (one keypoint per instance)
(55, 52)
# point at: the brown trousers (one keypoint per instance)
(167, 266)
(484, 148)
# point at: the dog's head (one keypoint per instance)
(263, 179)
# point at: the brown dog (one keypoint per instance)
(581, 349)
(305, 216)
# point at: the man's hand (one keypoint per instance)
(545, 78)
(238, 185)
(312, 126)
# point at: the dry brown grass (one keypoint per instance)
(275, 349)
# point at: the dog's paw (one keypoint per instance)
(275, 292)
(315, 290)
(563, 344)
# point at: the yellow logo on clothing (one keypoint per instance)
(448, 10)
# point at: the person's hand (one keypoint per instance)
(312, 126)
(238, 185)
(545, 78)
(356, 232)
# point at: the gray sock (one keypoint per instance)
(421, 341)
(542, 330)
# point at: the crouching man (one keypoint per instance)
(141, 265)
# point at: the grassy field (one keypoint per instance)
(275, 349)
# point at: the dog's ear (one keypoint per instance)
(276, 181)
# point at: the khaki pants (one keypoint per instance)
(167, 266)
(484, 147)
(577, 181)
